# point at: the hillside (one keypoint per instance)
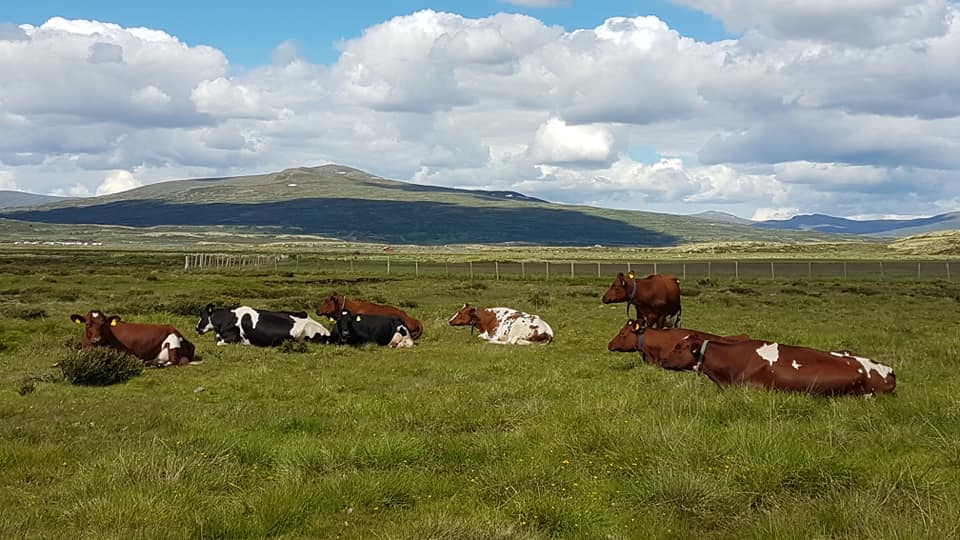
(876, 227)
(10, 199)
(340, 202)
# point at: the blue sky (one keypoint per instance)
(248, 33)
(757, 108)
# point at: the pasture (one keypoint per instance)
(456, 438)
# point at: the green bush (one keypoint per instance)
(99, 366)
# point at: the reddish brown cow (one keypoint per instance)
(786, 367)
(336, 303)
(156, 344)
(656, 298)
(659, 346)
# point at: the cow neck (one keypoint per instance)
(483, 320)
(113, 341)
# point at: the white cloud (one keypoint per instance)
(792, 115)
(8, 180)
(556, 142)
(116, 182)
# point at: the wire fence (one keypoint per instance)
(914, 270)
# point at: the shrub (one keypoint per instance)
(291, 346)
(539, 299)
(99, 366)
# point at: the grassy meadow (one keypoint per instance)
(460, 439)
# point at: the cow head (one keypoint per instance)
(205, 324)
(467, 315)
(345, 321)
(332, 306)
(96, 328)
(628, 339)
(686, 354)
(621, 289)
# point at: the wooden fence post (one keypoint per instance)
(709, 270)
(546, 265)
(809, 270)
(628, 267)
(654, 268)
(772, 277)
(948, 271)
(523, 270)
(186, 263)
(918, 271)
(881, 270)
(388, 265)
(496, 270)
(736, 269)
(684, 271)
(571, 268)
(471, 269)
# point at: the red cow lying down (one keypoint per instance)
(659, 345)
(786, 367)
(159, 345)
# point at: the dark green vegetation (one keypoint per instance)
(458, 439)
(344, 203)
(99, 367)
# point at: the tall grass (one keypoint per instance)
(458, 439)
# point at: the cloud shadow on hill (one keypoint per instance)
(418, 222)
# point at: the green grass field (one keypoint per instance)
(458, 439)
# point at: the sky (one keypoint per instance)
(759, 109)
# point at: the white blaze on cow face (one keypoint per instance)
(868, 365)
(769, 352)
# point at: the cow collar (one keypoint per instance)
(474, 319)
(703, 347)
(630, 298)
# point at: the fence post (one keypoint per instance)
(684, 271)
(186, 263)
(446, 268)
(471, 269)
(881, 270)
(809, 270)
(654, 268)
(598, 269)
(918, 271)
(772, 277)
(736, 269)
(628, 267)
(708, 269)
(571, 268)
(523, 270)
(948, 271)
(496, 269)
(416, 267)
(546, 265)
(388, 265)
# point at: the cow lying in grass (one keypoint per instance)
(503, 326)
(335, 303)
(358, 329)
(157, 345)
(659, 346)
(786, 367)
(251, 326)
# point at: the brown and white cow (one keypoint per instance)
(659, 345)
(504, 326)
(334, 304)
(156, 344)
(656, 298)
(786, 367)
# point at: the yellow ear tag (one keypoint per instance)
(358, 318)
(78, 321)
(631, 275)
(636, 326)
(113, 322)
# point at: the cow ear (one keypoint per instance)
(78, 319)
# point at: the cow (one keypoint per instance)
(787, 367)
(655, 297)
(358, 329)
(658, 345)
(503, 326)
(251, 326)
(335, 303)
(158, 345)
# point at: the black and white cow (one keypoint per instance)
(357, 329)
(247, 325)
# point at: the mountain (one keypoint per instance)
(339, 202)
(876, 227)
(10, 199)
(713, 215)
